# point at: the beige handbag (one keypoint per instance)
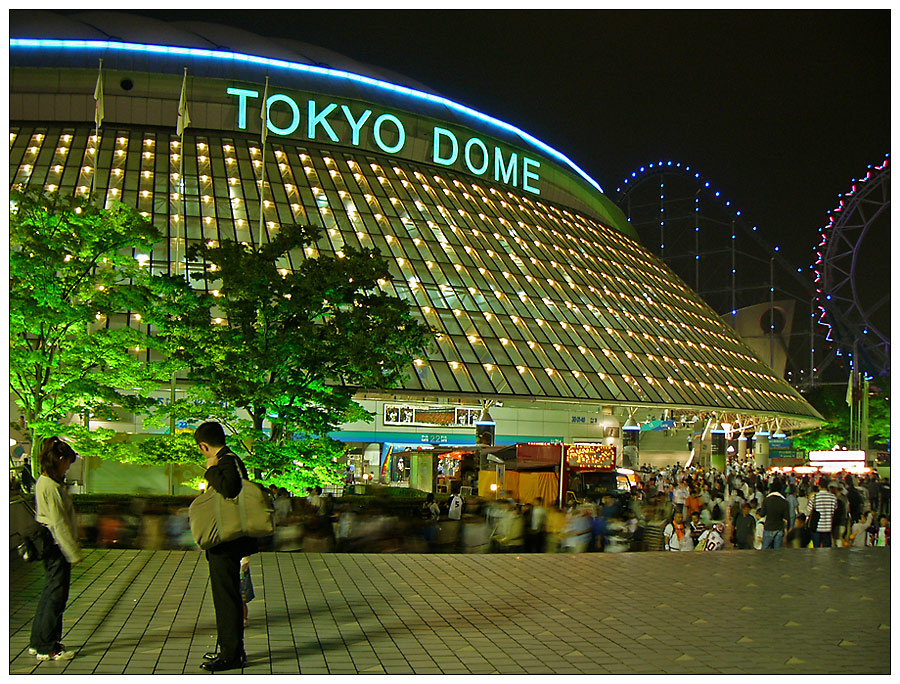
(216, 519)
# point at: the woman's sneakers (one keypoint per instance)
(59, 653)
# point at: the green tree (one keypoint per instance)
(290, 346)
(77, 287)
(830, 401)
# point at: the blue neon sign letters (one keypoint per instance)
(224, 55)
(389, 133)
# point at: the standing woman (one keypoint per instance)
(56, 512)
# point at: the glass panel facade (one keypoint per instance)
(529, 300)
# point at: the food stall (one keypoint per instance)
(525, 472)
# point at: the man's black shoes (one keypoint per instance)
(219, 664)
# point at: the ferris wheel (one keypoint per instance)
(853, 272)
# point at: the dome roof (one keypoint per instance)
(123, 27)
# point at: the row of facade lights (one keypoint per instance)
(175, 158)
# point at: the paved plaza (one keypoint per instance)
(731, 612)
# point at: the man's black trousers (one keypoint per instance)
(225, 584)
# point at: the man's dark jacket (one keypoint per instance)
(777, 511)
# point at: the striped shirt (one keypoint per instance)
(826, 504)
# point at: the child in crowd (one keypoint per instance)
(247, 594)
(881, 535)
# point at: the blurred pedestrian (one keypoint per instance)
(509, 535)
(576, 536)
(859, 532)
(534, 527)
(430, 510)
(798, 537)
(744, 528)
(692, 504)
(283, 504)
(881, 535)
(554, 525)
(27, 479)
(61, 550)
(247, 594)
(793, 505)
(456, 507)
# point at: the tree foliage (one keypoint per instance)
(290, 338)
(830, 401)
(76, 290)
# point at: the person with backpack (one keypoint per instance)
(675, 536)
(56, 512)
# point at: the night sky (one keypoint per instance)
(779, 109)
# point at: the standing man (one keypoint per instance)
(679, 496)
(776, 511)
(224, 471)
(744, 528)
(675, 536)
(825, 503)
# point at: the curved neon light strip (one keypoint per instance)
(858, 183)
(294, 66)
(654, 166)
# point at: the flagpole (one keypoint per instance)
(264, 116)
(182, 122)
(98, 117)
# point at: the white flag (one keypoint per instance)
(263, 114)
(184, 118)
(98, 97)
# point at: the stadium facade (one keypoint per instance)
(548, 310)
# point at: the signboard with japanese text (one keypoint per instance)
(591, 455)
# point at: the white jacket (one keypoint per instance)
(56, 511)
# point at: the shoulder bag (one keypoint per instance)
(813, 520)
(216, 519)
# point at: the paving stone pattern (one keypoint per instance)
(797, 611)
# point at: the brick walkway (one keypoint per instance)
(790, 611)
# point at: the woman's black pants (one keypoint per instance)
(46, 629)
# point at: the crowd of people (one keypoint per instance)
(752, 508)
(675, 509)
(746, 507)
(743, 508)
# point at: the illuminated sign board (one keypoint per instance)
(842, 456)
(591, 455)
(448, 416)
(345, 126)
